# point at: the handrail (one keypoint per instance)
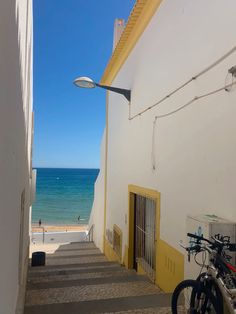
(90, 234)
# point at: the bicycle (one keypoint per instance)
(213, 288)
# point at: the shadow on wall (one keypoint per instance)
(15, 139)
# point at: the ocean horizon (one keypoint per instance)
(63, 195)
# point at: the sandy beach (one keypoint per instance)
(58, 228)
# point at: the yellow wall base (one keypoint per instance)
(110, 253)
(170, 267)
(126, 257)
(140, 270)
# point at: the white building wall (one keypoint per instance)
(15, 149)
(195, 149)
(97, 212)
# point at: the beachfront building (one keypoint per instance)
(170, 152)
(16, 128)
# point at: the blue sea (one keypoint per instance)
(62, 195)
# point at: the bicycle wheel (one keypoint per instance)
(211, 285)
(191, 297)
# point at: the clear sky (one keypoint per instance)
(71, 38)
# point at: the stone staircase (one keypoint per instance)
(78, 279)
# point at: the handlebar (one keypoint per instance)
(199, 238)
(196, 248)
(217, 244)
(194, 236)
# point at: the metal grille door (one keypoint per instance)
(145, 234)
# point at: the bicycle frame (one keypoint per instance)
(228, 295)
(219, 271)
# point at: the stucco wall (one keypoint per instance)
(15, 147)
(195, 149)
(97, 213)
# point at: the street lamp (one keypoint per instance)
(87, 82)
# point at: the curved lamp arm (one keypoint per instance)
(87, 82)
(122, 91)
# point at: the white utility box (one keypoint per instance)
(207, 225)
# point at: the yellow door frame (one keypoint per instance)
(149, 193)
(169, 261)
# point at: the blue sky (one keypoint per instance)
(71, 38)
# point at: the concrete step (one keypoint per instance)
(74, 252)
(78, 278)
(77, 246)
(84, 282)
(76, 260)
(70, 247)
(82, 274)
(152, 303)
(89, 292)
(50, 269)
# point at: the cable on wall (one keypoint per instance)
(196, 98)
(226, 55)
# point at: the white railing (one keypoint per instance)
(90, 234)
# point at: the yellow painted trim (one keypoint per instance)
(109, 250)
(170, 266)
(153, 194)
(119, 232)
(117, 229)
(105, 175)
(130, 262)
(110, 253)
(125, 259)
(138, 20)
(169, 261)
(140, 270)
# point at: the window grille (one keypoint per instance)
(145, 234)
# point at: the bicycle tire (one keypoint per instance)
(200, 290)
(215, 290)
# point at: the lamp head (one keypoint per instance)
(84, 82)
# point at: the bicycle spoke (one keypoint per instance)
(206, 294)
(190, 297)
